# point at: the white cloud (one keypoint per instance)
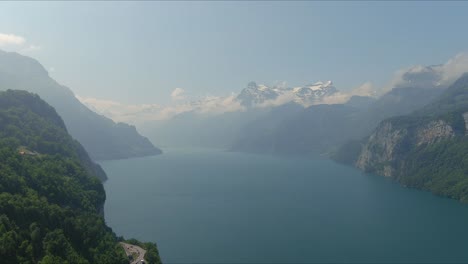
(337, 98)
(121, 112)
(31, 48)
(178, 94)
(454, 68)
(219, 105)
(139, 113)
(286, 97)
(11, 39)
(365, 89)
(430, 76)
(12, 42)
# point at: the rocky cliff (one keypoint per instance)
(427, 149)
(387, 146)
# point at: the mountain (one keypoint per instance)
(218, 122)
(361, 102)
(31, 117)
(322, 128)
(192, 129)
(313, 93)
(101, 137)
(293, 130)
(400, 101)
(51, 199)
(254, 95)
(258, 135)
(427, 149)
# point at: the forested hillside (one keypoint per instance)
(51, 199)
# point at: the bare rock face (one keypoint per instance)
(386, 147)
(434, 132)
(465, 117)
(381, 149)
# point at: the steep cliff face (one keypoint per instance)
(433, 132)
(384, 151)
(427, 149)
(381, 148)
(465, 118)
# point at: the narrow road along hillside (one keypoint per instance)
(136, 250)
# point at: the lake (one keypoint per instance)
(211, 206)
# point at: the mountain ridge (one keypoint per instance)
(256, 95)
(51, 201)
(427, 149)
(101, 137)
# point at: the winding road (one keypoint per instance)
(133, 249)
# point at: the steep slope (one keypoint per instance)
(101, 137)
(50, 198)
(24, 122)
(398, 101)
(427, 149)
(255, 94)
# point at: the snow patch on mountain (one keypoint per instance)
(261, 95)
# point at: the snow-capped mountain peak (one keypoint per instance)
(255, 94)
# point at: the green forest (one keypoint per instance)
(51, 195)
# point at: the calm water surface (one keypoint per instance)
(210, 206)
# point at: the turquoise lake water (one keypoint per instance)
(210, 206)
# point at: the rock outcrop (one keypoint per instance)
(390, 142)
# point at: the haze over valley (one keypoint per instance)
(233, 132)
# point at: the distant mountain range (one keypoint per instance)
(102, 138)
(320, 128)
(288, 120)
(201, 127)
(255, 94)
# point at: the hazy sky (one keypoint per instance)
(139, 52)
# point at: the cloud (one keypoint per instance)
(140, 113)
(219, 105)
(365, 89)
(31, 48)
(178, 94)
(121, 112)
(17, 43)
(454, 68)
(11, 39)
(433, 76)
(285, 97)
